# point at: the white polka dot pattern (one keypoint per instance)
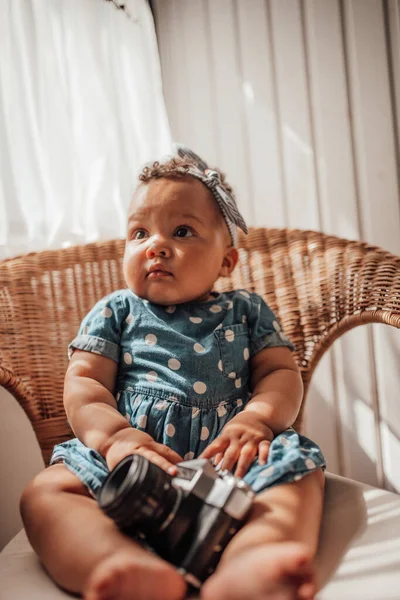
(276, 325)
(199, 387)
(284, 441)
(215, 308)
(205, 433)
(229, 335)
(162, 405)
(170, 430)
(221, 410)
(267, 472)
(150, 339)
(128, 358)
(310, 464)
(174, 364)
(142, 421)
(167, 355)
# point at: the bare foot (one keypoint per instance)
(281, 571)
(127, 576)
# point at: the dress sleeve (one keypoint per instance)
(100, 330)
(265, 329)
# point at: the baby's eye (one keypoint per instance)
(183, 232)
(139, 234)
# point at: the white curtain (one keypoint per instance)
(81, 109)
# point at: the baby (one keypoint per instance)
(172, 370)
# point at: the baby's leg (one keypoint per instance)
(271, 556)
(83, 550)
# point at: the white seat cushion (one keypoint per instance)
(359, 554)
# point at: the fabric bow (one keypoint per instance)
(212, 180)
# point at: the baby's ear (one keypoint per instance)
(229, 261)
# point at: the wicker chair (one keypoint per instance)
(320, 286)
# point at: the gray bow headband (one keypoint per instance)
(212, 180)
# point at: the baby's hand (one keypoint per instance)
(132, 441)
(242, 438)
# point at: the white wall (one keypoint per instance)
(299, 102)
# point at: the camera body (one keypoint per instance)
(187, 519)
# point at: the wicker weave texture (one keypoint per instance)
(320, 286)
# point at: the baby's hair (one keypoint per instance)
(174, 167)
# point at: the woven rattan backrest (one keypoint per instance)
(320, 286)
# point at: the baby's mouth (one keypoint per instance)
(158, 273)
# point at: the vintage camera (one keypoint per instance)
(187, 519)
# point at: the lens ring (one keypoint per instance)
(138, 494)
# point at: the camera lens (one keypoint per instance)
(138, 494)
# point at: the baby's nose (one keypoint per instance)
(152, 253)
(158, 249)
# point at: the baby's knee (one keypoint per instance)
(41, 493)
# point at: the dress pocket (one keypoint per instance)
(233, 340)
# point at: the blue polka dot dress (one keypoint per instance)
(183, 373)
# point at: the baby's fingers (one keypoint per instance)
(217, 459)
(247, 456)
(218, 446)
(231, 456)
(263, 451)
(168, 453)
(158, 460)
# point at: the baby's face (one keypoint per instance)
(177, 242)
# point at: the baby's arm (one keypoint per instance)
(277, 388)
(94, 418)
(277, 393)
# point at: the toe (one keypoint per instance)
(307, 590)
